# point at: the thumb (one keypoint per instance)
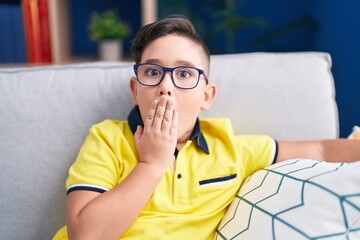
(138, 133)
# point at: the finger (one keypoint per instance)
(174, 124)
(138, 133)
(168, 115)
(159, 114)
(151, 114)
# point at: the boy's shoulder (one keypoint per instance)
(220, 125)
(223, 127)
(110, 127)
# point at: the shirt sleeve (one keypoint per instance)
(97, 167)
(257, 152)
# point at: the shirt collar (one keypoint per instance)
(134, 119)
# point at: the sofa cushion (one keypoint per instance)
(296, 199)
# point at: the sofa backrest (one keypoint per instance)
(289, 96)
(45, 114)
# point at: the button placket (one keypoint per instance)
(180, 181)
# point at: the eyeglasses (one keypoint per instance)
(183, 77)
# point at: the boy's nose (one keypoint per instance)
(166, 86)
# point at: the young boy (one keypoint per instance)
(165, 174)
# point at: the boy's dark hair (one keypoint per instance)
(178, 24)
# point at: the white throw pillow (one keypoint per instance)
(296, 199)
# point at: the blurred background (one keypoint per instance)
(34, 32)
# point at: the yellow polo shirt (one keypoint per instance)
(188, 203)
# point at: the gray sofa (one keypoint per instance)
(47, 111)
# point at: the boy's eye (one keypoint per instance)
(184, 73)
(152, 72)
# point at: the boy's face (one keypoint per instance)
(172, 51)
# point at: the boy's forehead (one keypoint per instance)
(175, 49)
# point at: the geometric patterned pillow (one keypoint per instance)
(296, 199)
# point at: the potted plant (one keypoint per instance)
(109, 30)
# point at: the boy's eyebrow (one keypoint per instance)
(152, 61)
(178, 63)
(186, 63)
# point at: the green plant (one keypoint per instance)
(214, 18)
(228, 21)
(107, 25)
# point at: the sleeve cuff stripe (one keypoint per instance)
(276, 151)
(87, 187)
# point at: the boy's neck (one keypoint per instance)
(183, 139)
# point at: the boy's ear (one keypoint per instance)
(209, 96)
(133, 89)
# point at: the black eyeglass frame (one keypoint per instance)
(171, 70)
